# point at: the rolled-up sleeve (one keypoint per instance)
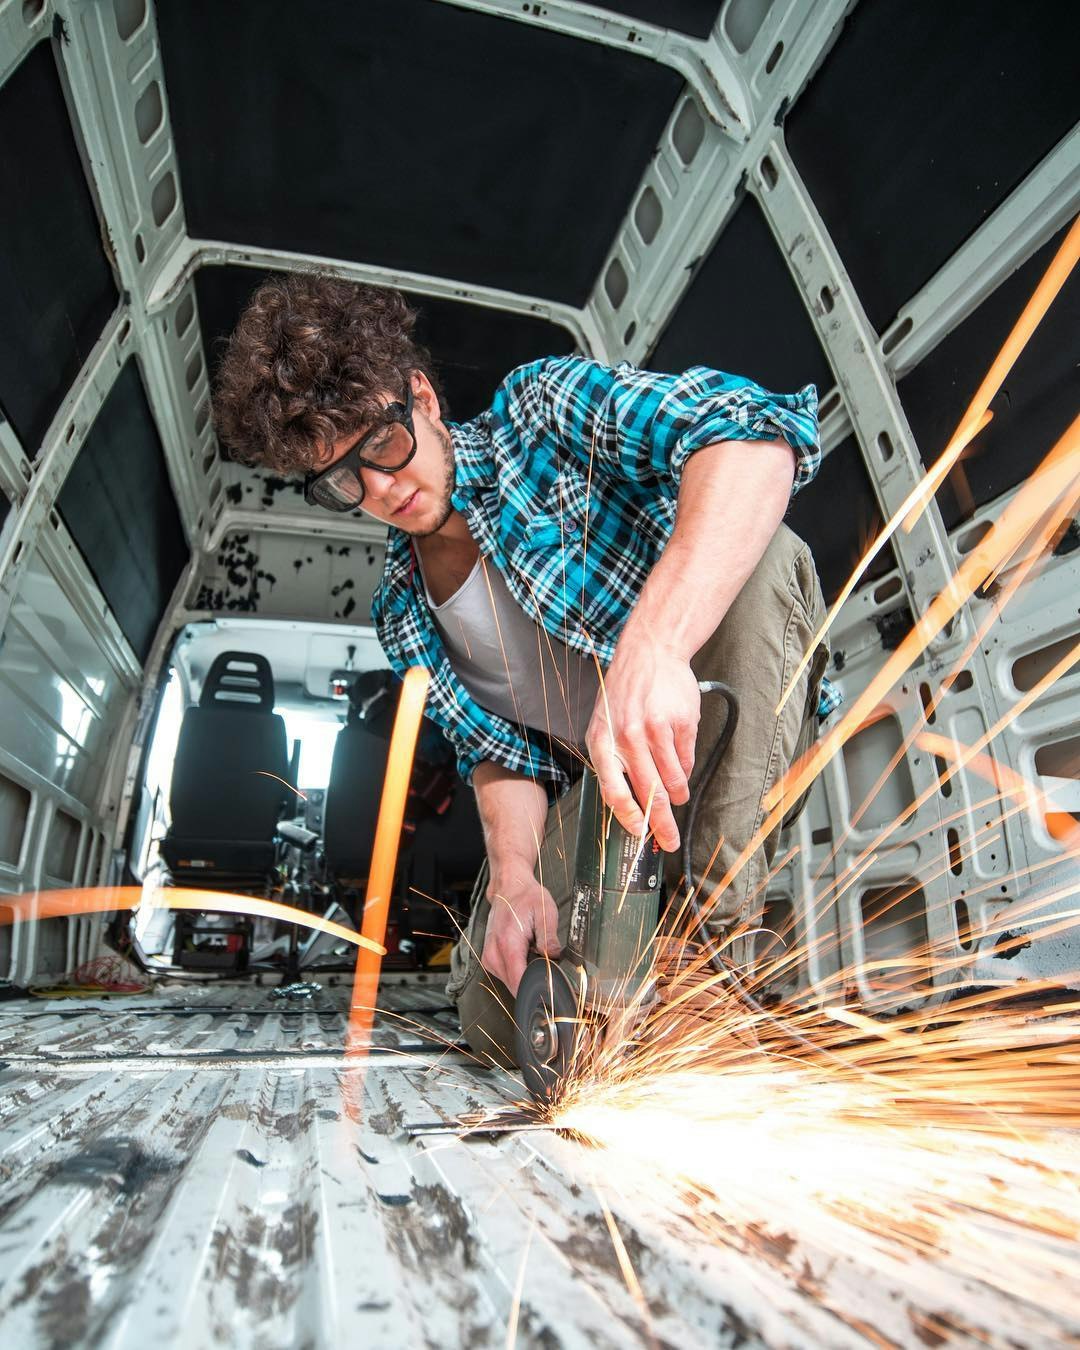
(647, 425)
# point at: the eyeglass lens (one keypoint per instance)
(341, 487)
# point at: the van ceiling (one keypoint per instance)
(538, 178)
(918, 126)
(759, 301)
(695, 17)
(425, 138)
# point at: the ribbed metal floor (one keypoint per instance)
(181, 1169)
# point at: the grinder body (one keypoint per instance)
(606, 965)
(615, 905)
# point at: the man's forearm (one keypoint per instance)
(513, 810)
(642, 733)
(732, 499)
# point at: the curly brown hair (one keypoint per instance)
(307, 364)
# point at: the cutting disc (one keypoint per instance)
(546, 1016)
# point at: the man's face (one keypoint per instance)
(416, 499)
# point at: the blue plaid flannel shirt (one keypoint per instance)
(568, 483)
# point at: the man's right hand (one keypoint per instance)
(523, 916)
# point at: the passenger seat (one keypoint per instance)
(225, 798)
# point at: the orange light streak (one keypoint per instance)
(1035, 556)
(1056, 476)
(1033, 313)
(1002, 776)
(410, 713)
(974, 420)
(887, 531)
(103, 899)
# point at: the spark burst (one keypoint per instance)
(932, 1151)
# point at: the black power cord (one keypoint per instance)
(717, 960)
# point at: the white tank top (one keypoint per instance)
(509, 664)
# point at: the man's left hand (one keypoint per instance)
(642, 734)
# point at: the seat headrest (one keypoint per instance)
(239, 680)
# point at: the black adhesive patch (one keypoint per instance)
(411, 134)
(743, 313)
(838, 516)
(472, 347)
(56, 287)
(5, 507)
(119, 507)
(922, 119)
(1034, 406)
(694, 17)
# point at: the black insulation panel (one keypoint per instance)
(922, 120)
(743, 313)
(119, 507)
(56, 287)
(412, 134)
(473, 347)
(1036, 403)
(693, 17)
(838, 516)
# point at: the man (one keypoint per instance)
(592, 519)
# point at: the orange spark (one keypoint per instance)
(1045, 293)
(265, 773)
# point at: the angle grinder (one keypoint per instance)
(606, 965)
(606, 968)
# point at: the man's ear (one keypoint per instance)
(425, 397)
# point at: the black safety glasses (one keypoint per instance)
(386, 448)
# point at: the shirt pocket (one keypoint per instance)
(564, 519)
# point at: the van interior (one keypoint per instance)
(193, 701)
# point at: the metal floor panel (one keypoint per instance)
(184, 1169)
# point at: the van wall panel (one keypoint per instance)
(60, 699)
(922, 120)
(418, 136)
(14, 814)
(56, 287)
(119, 506)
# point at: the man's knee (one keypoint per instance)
(756, 650)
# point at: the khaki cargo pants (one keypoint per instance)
(755, 650)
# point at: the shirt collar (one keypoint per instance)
(474, 462)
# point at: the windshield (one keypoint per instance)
(316, 733)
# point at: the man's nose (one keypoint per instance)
(376, 485)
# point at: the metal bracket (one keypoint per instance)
(692, 182)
